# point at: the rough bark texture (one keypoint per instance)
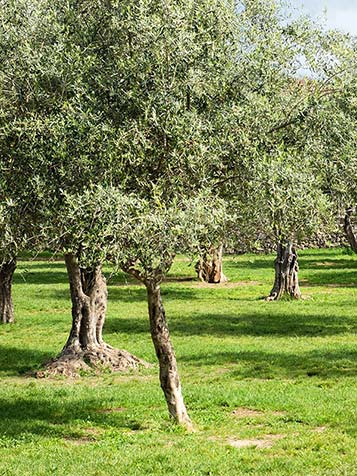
(348, 228)
(210, 267)
(286, 273)
(85, 347)
(6, 306)
(169, 377)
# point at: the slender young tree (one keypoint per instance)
(142, 237)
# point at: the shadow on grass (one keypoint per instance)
(37, 415)
(259, 324)
(55, 273)
(27, 276)
(40, 265)
(327, 264)
(15, 361)
(306, 263)
(254, 364)
(129, 293)
(331, 278)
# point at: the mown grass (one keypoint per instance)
(293, 362)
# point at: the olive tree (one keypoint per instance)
(287, 206)
(7, 269)
(142, 237)
(18, 124)
(336, 140)
(54, 140)
(121, 94)
(288, 74)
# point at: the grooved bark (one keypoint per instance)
(210, 266)
(7, 270)
(169, 377)
(286, 273)
(85, 347)
(351, 237)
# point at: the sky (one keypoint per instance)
(340, 14)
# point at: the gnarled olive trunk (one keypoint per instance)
(286, 273)
(169, 377)
(209, 268)
(348, 228)
(85, 347)
(7, 270)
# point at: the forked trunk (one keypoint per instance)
(210, 266)
(350, 234)
(85, 347)
(286, 273)
(7, 270)
(169, 377)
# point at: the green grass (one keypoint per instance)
(295, 362)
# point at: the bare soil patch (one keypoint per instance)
(82, 440)
(341, 285)
(246, 413)
(265, 441)
(228, 285)
(250, 413)
(319, 429)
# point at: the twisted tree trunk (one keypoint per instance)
(85, 347)
(7, 270)
(209, 268)
(286, 273)
(169, 377)
(350, 234)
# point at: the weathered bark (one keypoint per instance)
(169, 377)
(286, 273)
(7, 270)
(210, 266)
(85, 347)
(350, 234)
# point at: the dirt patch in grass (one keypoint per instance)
(82, 440)
(247, 413)
(228, 285)
(319, 429)
(324, 263)
(89, 436)
(278, 413)
(341, 285)
(265, 441)
(179, 279)
(250, 413)
(92, 431)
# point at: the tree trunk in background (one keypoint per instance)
(85, 347)
(210, 266)
(352, 239)
(286, 273)
(7, 270)
(169, 377)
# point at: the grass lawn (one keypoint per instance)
(281, 374)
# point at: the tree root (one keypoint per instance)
(72, 363)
